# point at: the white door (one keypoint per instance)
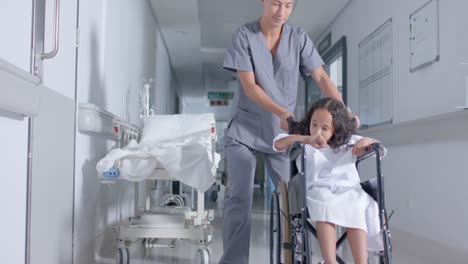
(53, 140)
(15, 52)
(38, 231)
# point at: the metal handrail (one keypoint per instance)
(54, 51)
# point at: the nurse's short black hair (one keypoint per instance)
(345, 125)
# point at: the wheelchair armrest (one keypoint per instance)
(374, 148)
(296, 150)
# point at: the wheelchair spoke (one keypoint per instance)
(275, 230)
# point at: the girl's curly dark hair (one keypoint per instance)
(345, 125)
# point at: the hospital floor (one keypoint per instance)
(185, 252)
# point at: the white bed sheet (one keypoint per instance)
(181, 144)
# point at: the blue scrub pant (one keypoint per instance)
(241, 162)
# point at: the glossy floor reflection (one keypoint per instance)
(185, 252)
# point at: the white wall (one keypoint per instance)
(426, 164)
(15, 27)
(118, 43)
(444, 79)
(166, 85)
(15, 24)
(194, 105)
(13, 158)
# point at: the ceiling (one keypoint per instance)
(197, 32)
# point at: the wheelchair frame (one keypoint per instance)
(288, 226)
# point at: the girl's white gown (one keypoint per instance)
(334, 193)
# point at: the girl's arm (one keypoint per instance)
(285, 142)
(362, 145)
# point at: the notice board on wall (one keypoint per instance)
(424, 36)
(375, 77)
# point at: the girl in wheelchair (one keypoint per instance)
(334, 194)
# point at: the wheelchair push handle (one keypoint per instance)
(376, 146)
(291, 124)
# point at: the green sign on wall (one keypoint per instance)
(220, 95)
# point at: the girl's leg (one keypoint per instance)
(358, 241)
(326, 234)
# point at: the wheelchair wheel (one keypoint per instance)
(387, 256)
(280, 227)
(275, 230)
(384, 256)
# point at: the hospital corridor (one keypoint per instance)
(234, 131)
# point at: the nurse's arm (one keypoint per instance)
(256, 94)
(326, 85)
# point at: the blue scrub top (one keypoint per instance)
(278, 76)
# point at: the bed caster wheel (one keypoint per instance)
(203, 256)
(122, 256)
(175, 200)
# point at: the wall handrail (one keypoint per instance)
(20, 90)
(421, 131)
(95, 120)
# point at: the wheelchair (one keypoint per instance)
(289, 228)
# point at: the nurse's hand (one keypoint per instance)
(284, 120)
(316, 141)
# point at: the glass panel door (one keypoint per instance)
(335, 66)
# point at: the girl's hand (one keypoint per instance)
(362, 146)
(316, 141)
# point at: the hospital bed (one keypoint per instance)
(172, 148)
(290, 229)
